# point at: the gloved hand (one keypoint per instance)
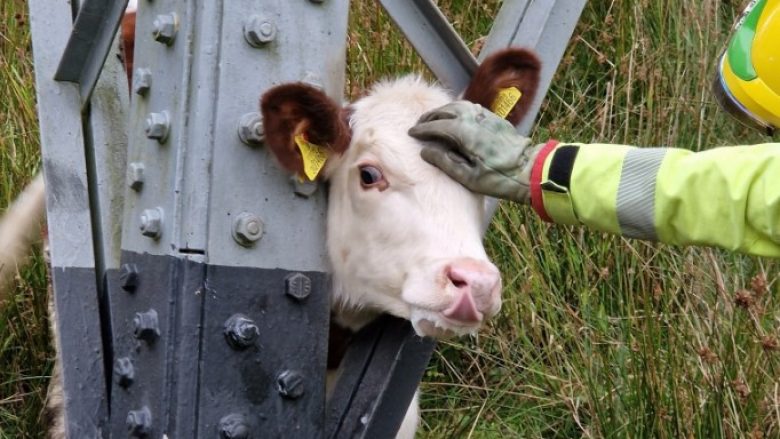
(478, 149)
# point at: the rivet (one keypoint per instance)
(151, 222)
(247, 229)
(164, 28)
(233, 426)
(240, 331)
(290, 384)
(136, 170)
(303, 188)
(128, 277)
(139, 422)
(250, 129)
(146, 326)
(142, 81)
(259, 31)
(124, 372)
(157, 126)
(297, 286)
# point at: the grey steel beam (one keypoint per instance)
(70, 225)
(89, 43)
(543, 25)
(381, 371)
(433, 37)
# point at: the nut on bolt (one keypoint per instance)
(128, 277)
(151, 222)
(233, 426)
(259, 30)
(158, 125)
(250, 129)
(240, 331)
(146, 326)
(142, 81)
(297, 286)
(139, 422)
(136, 171)
(290, 384)
(164, 28)
(124, 371)
(247, 229)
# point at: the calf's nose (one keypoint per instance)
(476, 284)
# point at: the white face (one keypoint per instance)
(403, 237)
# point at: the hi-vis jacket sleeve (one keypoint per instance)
(727, 197)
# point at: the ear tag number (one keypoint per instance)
(314, 156)
(505, 101)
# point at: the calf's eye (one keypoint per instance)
(370, 176)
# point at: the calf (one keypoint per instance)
(402, 237)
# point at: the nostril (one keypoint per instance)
(457, 278)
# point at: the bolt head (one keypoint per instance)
(304, 188)
(139, 422)
(290, 384)
(250, 129)
(128, 277)
(146, 326)
(157, 126)
(247, 229)
(124, 372)
(142, 81)
(233, 426)
(259, 31)
(297, 286)
(240, 331)
(164, 28)
(151, 222)
(136, 177)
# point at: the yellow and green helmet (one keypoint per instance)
(748, 81)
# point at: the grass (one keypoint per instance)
(599, 336)
(26, 355)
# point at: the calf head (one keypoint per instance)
(402, 237)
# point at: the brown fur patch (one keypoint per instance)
(128, 43)
(512, 67)
(291, 109)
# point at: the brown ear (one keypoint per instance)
(297, 108)
(504, 69)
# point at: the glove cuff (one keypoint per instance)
(537, 203)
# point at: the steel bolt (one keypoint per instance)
(142, 81)
(290, 384)
(128, 277)
(157, 126)
(304, 188)
(165, 27)
(259, 31)
(124, 371)
(139, 422)
(240, 331)
(297, 286)
(250, 129)
(151, 222)
(247, 229)
(136, 170)
(233, 426)
(147, 326)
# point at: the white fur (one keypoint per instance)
(389, 249)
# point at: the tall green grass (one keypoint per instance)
(599, 336)
(26, 354)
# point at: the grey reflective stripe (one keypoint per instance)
(636, 193)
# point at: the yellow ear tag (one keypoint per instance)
(505, 101)
(314, 156)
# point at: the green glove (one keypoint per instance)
(478, 149)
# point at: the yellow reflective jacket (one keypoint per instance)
(727, 197)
